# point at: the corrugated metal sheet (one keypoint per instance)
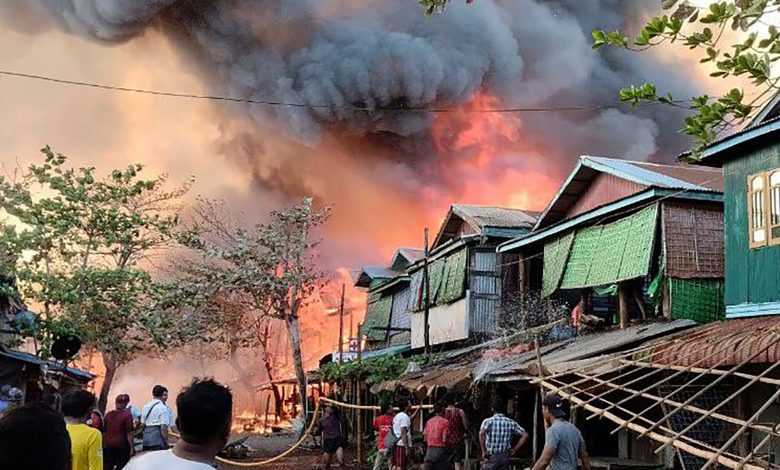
(456, 378)
(693, 240)
(465, 219)
(663, 176)
(51, 365)
(485, 290)
(603, 189)
(649, 175)
(723, 344)
(400, 317)
(582, 347)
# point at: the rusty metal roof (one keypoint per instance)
(727, 343)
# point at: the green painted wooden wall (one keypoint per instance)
(752, 275)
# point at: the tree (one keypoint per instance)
(81, 242)
(271, 264)
(704, 29)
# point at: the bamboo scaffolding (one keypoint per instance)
(665, 380)
(660, 400)
(741, 430)
(742, 375)
(723, 403)
(758, 447)
(720, 378)
(627, 411)
(693, 450)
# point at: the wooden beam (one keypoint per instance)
(623, 305)
(725, 461)
(766, 380)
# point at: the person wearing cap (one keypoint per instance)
(563, 442)
(118, 435)
(495, 438)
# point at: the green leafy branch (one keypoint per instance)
(703, 29)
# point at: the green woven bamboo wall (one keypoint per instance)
(556, 254)
(377, 316)
(700, 300)
(611, 253)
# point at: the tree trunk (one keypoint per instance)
(111, 367)
(246, 382)
(623, 305)
(295, 340)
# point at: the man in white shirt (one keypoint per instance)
(402, 428)
(157, 419)
(205, 412)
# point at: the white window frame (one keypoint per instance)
(763, 208)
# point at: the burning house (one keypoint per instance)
(627, 240)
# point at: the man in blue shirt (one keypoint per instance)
(495, 438)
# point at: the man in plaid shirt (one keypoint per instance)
(495, 438)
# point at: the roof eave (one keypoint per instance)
(717, 153)
(606, 210)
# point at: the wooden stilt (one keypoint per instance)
(623, 305)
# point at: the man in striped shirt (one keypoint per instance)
(495, 438)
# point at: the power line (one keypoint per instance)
(352, 107)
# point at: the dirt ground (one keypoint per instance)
(305, 457)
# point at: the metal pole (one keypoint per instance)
(341, 325)
(427, 299)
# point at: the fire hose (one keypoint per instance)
(305, 433)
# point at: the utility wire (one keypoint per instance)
(404, 109)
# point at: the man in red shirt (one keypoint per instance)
(383, 424)
(436, 434)
(118, 435)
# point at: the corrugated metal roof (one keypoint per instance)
(481, 217)
(369, 273)
(487, 216)
(658, 175)
(582, 347)
(723, 344)
(650, 175)
(33, 359)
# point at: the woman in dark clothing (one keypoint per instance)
(329, 427)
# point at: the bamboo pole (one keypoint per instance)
(659, 401)
(623, 305)
(357, 410)
(427, 299)
(742, 375)
(724, 345)
(741, 430)
(341, 324)
(721, 378)
(721, 404)
(647, 421)
(758, 447)
(730, 463)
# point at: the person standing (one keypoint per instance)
(330, 429)
(383, 424)
(205, 412)
(437, 433)
(118, 435)
(495, 438)
(156, 419)
(34, 437)
(86, 442)
(459, 426)
(563, 442)
(402, 429)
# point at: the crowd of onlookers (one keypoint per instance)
(38, 436)
(445, 436)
